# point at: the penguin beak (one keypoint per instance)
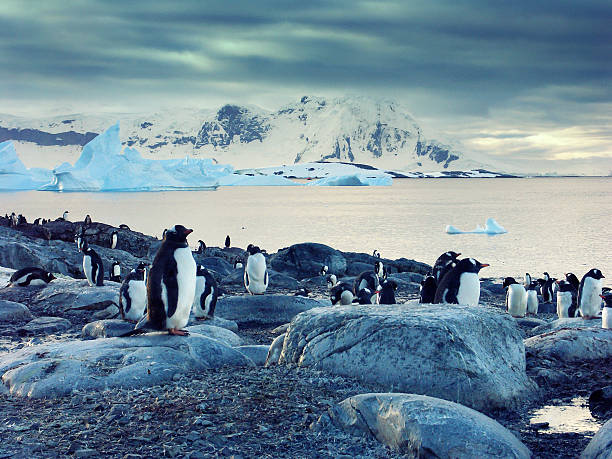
(188, 231)
(602, 297)
(458, 254)
(484, 265)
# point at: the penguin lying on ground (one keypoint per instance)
(255, 273)
(365, 296)
(427, 291)
(206, 294)
(30, 276)
(461, 284)
(516, 297)
(341, 293)
(589, 294)
(92, 266)
(133, 294)
(444, 263)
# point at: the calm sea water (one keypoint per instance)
(554, 224)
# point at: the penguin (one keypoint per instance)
(380, 270)
(201, 247)
(386, 294)
(115, 272)
(78, 240)
(133, 294)
(206, 294)
(113, 241)
(238, 264)
(256, 273)
(274, 351)
(546, 288)
(332, 281)
(37, 221)
(227, 242)
(64, 217)
(342, 294)
(376, 253)
(589, 294)
(21, 220)
(532, 298)
(527, 282)
(323, 270)
(427, 292)
(366, 279)
(364, 296)
(87, 220)
(606, 312)
(516, 297)
(13, 220)
(30, 276)
(573, 280)
(92, 266)
(124, 227)
(565, 307)
(461, 284)
(444, 264)
(302, 291)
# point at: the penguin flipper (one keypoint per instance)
(172, 287)
(246, 279)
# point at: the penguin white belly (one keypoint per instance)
(532, 302)
(256, 271)
(37, 282)
(516, 300)
(590, 301)
(116, 270)
(207, 302)
(606, 318)
(564, 301)
(21, 280)
(87, 270)
(199, 288)
(114, 241)
(186, 280)
(469, 289)
(138, 294)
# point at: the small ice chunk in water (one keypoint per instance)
(491, 228)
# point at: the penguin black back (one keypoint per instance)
(387, 292)
(428, 289)
(28, 276)
(450, 288)
(444, 264)
(227, 242)
(367, 279)
(97, 267)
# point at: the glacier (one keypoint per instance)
(491, 228)
(13, 173)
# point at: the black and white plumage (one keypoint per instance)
(302, 291)
(133, 294)
(114, 239)
(376, 253)
(227, 242)
(461, 284)
(323, 270)
(64, 217)
(115, 272)
(532, 298)
(332, 281)
(201, 246)
(92, 266)
(573, 280)
(365, 296)
(589, 294)
(256, 272)
(206, 294)
(238, 264)
(123, 226)
(546, 288)
(87, 220)
(444, 264)
(386, 294)
(380, 269)
(516, 297)
(30, 276)
(427, 291)
(342, 294)
(527, 282)
(606, 312)
(367, 279)
(566, 306)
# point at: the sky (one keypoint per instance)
(521, 80)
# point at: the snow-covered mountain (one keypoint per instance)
(356, 130)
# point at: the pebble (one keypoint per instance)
(87, 452)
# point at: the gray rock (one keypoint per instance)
(470, 355)
(55, 370)
(421, 426)
(106, 328)
(600, 447)
(558, 324)
(64, 295)
(276, 280)
(600, 403)
(282, 328)
(110, 312)
(408, 277)
(256, 352)
(14, 312)
(305, 260)
(357, 267)
(530, 322)
(572, 344)
(219, 265)
(393, 266)
(546, 308)
(216, 322)
(275, 350)
(5, 275)
(224, 335)
(263, 309)
(45, 325)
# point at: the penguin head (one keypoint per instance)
(48, 277)
(607, 297)
(141, 267)
(571, 278)
(565, 286)
(332, 280)
(509, 281)
(533, 285)
(115, 263)
(428, 280)
(595, 274)
(201, 270)
(253, 249)
(546, 276)
(178, 233)
(470, 265)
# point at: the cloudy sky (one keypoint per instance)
(521, 79)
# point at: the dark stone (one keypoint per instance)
(600, 403)
(305, 260)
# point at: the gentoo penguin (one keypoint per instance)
(444, 264)
(332, 281)
(386, 294)
(428, 289)
(31, 276)
(527, 282)
(227, 242)
(13, 220)
(461, 284)
(341, 293)
(133, 294)
(572, 279)
(565, 306)
(113, 241)
(37, 221)
(366, 279)
(532, 298)
(302, 291)
(365, 296)
(589, 294)
(380, 270)
(201, 246)
(115, 272)
(87, 220)
(92, 265)
(206, 294)
(238, 263)
(546, 288)
(323, 270)
(170, 286)
(516, 297)
(376, 253)
(256, 273)
(124, 226)
(78, 240)
(21, 220)
(64, 217)
(606, 312)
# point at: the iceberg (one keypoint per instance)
(354, 180)
(491, 228)
(255, 180)
(13, 173)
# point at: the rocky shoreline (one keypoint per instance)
(134, 399)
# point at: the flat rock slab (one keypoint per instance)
(106, 328)
(600, 446)
(256, 352)
(470, 355)
(63, 295)
(421, 426)
(13, 312)
(44, 326)
(572, 344)
(558, 324)
(263, 309)
(276, 280)
(221, 334)
(530, 322)
(55, 370)
(216, 322)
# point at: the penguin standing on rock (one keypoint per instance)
(30, 276)
(428, 288)
(206, 294)
(332, 281)
(444, 263)
(323, 270)
(201, 247)
(386, 295)
(133, 294)
(516, 298)
(589, 294)
(256, 273)
(92, 266)
(380, 270)
(461, 284)
(87, 220)
(238, 263)
(227, 242)
(113, 241)
(170, 286)
(115, 272)
(606, 312)
(64, 217)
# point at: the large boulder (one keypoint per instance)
(393, 266)
(558, 324)
(217, 264)
(263, 309)
(220, 334)
(108, 328)
(572, 344)
(53, 370)
(305, 260)
(45, 325)
(470, 355)
(600, 447)
(11, 311)
(421, 426)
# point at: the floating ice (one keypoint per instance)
(353, 180)
(255, 180)
(13, 173)
(491, 228)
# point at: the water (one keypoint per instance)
(574, 417)
(554, 224)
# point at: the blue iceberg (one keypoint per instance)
(13, 173)
(354, 180)
(491, 228)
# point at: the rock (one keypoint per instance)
(219, 265)
(224, 335)
(600, 447)
(530, 322)
(281, 329)
(493, 285)
(106, 328)
(86, 452)
(216, 322)
(55, 370)
(275, 350)
(45, 325)
(263, 309)
(234, 278)
(547, 308)
(600, 403)
(14, 312)
(470, 355)
(69, 295)
(393, 266)
(256, 352)
(280, 280)
(357, 267)
(5, 275)
(558, 324)
(571, 345)
(421, 426)
(547, 376)
(110, 312)
(305, 260)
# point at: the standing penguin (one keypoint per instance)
(546, 288)
(201, 246)
(227, 242)
(64, 216)
(380, 270)
(206, 294)
(532, 298)
(444, 263)
(87, 220)
(606, 312)
(573, 280)
(376, 253)
(133, 294)
(115, 272)
(461, 284)
(113, 241)
(92, 265)
(565, 306)
(366, 279)
(256, 273)
(332, 281)
(30, 276)
(171, 285)
(516, 298)
(589, 294)
(341, 293)
(238, 263)
(428, 288)
(386, 294)
(323, 270)
(527, 282)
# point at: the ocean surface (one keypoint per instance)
(554, 224)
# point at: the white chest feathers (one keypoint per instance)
(532, 302)
(116, 270)
(137, 290)
(606, 318)
(590, 301)
(516, 300)
(186, 280)
(87, 270)
(255, 274)
(564, 301)
(469, 289)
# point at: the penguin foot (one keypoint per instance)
(177, 332)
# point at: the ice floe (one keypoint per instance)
(491, 228)
(13, 173)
